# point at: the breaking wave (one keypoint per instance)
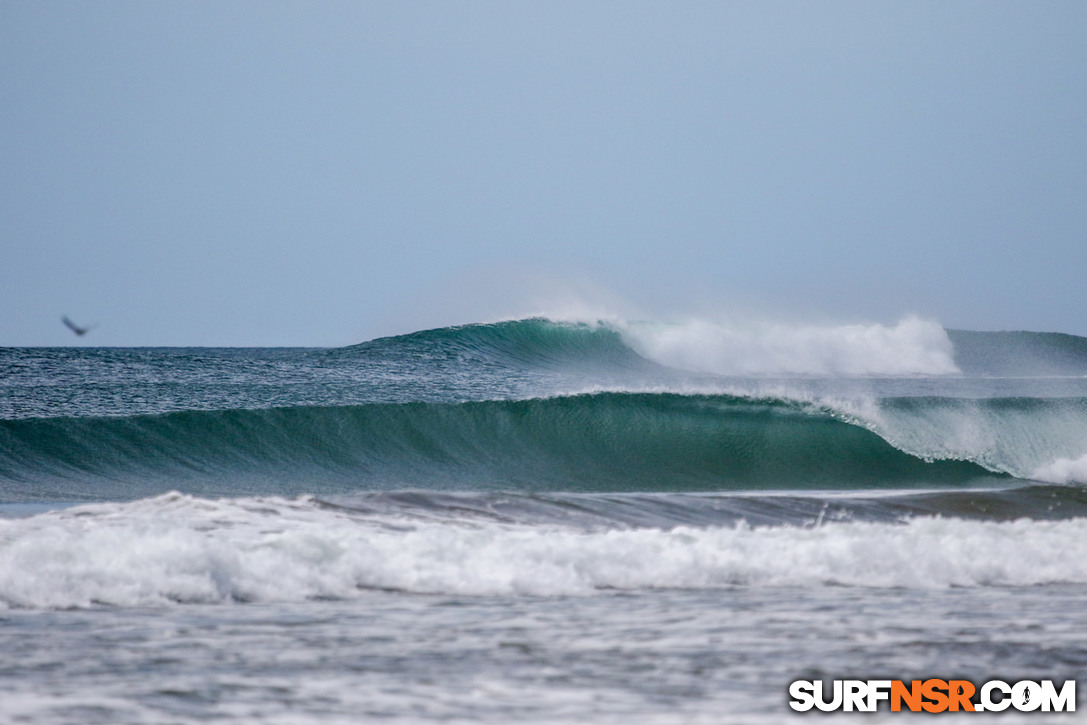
(589, 442)
(911, 347)
(179, 549)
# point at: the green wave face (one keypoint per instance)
(533, 344)
(597, 442)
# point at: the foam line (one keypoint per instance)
(179, 549)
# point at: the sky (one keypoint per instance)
(322, 173)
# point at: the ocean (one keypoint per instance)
(539, 521)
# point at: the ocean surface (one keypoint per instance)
(539, 521)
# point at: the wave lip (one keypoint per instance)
(178, 549)
(533, 343)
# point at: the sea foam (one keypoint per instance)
(913, 346)
(1063, 470)
(180, 549)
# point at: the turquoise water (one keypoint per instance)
(536, 520)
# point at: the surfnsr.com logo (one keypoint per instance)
(933, 695)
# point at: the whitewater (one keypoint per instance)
(538, 520)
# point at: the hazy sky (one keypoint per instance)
(320, 173)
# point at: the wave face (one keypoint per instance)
(591, 442)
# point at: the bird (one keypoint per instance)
(81, 331)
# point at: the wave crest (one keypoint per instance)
(911, 347)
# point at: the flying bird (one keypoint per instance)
(81, 331)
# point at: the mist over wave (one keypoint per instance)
(1024, 437)
(911, 347)
(1063, 470)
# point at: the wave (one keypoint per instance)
(1020, 353)
(1030, 438)
(180, 549)
(589, 442)
(911, 347)
(534, 342)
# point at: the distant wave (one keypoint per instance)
(912, 347)
(534, 342)
(1020, 353)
